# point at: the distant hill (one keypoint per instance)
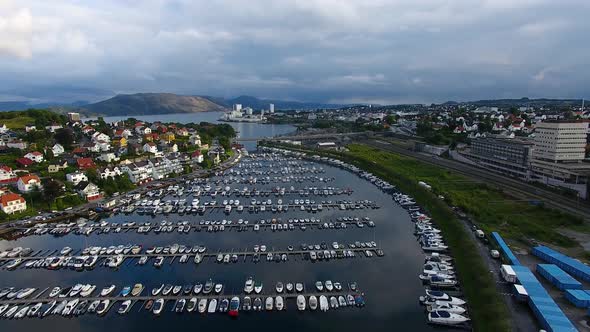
(152, 103)
(507, 103)
(23, 105)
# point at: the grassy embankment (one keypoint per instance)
(487, 309)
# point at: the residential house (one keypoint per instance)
(35, 156)
(3, 129)
(143, 130)
(57, 149)
(76, 177)
(87, 130)
(88, 190)
(92, 147)
(30, 127)
(7, 174)
(197, 157)
(151, 137)
(119, 141)
(159, 168)
(16, 144)
(182, 132)
(167, 137)
(57, 166)
(53, 127)
(28, 183)
(12, 203)
(24, 162)
(150, 147)
(98, 136)
(138, 172)
(85, 163)
(108, 157)
(195, 140)
(109, 172)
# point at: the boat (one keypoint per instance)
(324, 303)
(337, 286)
(279, 287)
(158, 306)
(313, 302)
(159, 261)
(69, 308)
(125, 291)
(212, 306)
(218, 288)
(137, 289)
(156, 291)
(149, 304)
(223, 305)
(176, 289)
(179, 306)
(258, 287)
(49, 309)
(299, 287)
(432, 296)
(279, 303)
(125, 306)
(202, 305)
(269, 303)
(341, 301)
(167, 289)
(319, 286)
(197, 288)
(329, 285)
(21, 312)
(234, 306)
(257, 304)
(33, 311)
(10, 312)
(249, 286)
(87, 290)
(54, 292)
(103, 307)
(446, 318)
(198, 258)
(208, 287)
(25, 293)
(300, 302)
(289, 287)
(247, 304)
(333, 302)
(93, 305)
(445, 306)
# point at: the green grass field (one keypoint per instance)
(18, 122)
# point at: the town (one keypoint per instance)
(57, 162)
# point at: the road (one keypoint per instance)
(514, 187)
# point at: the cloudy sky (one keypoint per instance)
(380, 51)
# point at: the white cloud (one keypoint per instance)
(15, 31)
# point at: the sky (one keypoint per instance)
(342, 51)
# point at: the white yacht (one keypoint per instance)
(249, 286)
(324, 303)
(300, 302)
(313, 302)
(446, 318)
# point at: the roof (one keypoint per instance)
(27, 178)
(35, 153)
(24, 161)
(85, 162)
(196, 153)
(6, 168)
(10, 197)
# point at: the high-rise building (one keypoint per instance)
(73, 117)
(561, 141)
(559, 153)
(271, 108)
(237, 107)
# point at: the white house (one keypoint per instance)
(28, 183)
(195, 140)
(143, 130)
(3, 129)
(108, 157)
(76, 177)
(98, 136)
(150, 147)
(7, 174)
(88, 190)
(139, 172)
(12, 203)
(35, 156)
(109, 172)
(53, 127)
(30, 128)
(57, 149)
(16, 144)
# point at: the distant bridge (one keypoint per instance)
(301, 137)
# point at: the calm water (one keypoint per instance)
(244, 129)
(390, 283)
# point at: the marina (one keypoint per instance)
(319, 219)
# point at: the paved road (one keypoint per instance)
(515, 187)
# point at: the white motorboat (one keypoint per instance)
(258, 287)
(156, 291)
(249, 286)
(299, 287)
(269, 303)
(445, 306)
(107, 290)
(87, 290)
(158, 306)
(300, 302)
(313, 302)
(324, 303)
(103, 307)
(279, 303)
(54, 292)
(329, 285)
(446, 318)
(202, 305)
(218, 288)
(433, 296)
(319, 286)
(212, 306)
(125, 306)
(279, 287)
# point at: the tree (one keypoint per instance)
(92, 175)
(51, 190)
(65, 137)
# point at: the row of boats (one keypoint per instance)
(84, 227)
